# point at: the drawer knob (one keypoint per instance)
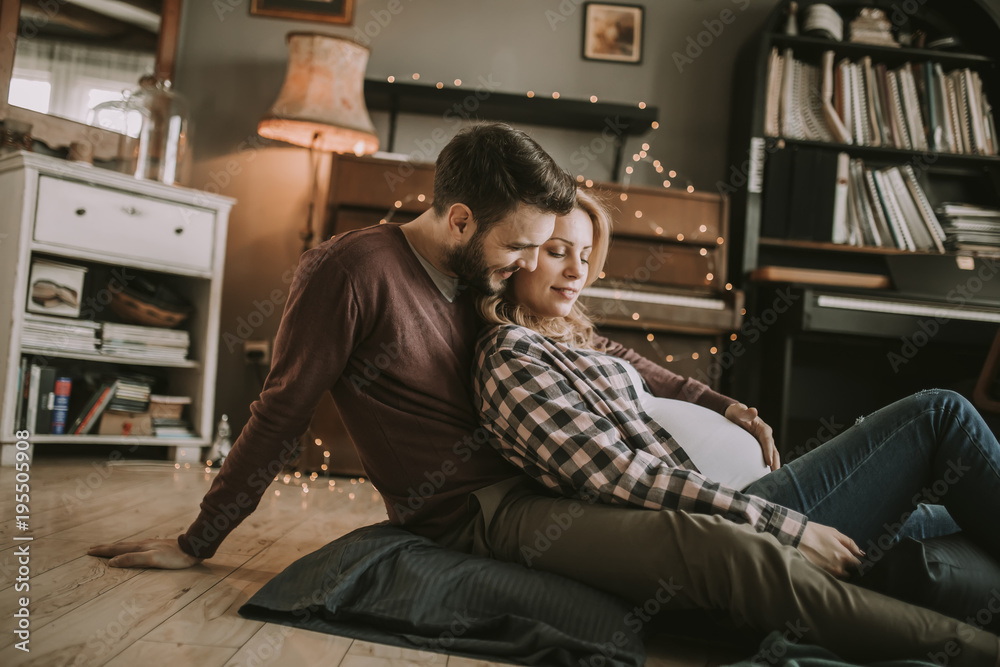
(179, 231)
(81, 211)
(129, 210)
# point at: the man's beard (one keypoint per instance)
(468, 262)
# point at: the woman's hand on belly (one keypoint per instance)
(750, 421)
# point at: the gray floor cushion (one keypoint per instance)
(381, 583)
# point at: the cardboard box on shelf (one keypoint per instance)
(125, 423)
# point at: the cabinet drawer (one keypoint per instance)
(124, 225)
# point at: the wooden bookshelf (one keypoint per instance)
(837, 357)
(932, 159)
(945, 176)
(888, 54)
(839, 247)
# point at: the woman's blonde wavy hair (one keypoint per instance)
(576, 329)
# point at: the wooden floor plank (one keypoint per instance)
(283, 646)
(49, 522)
(85, 613)
(100, 629)
(212, 619)
(368, 654)
(70, 583)
(59, 486)
(46, 553)
(63, 589)
(151, 654)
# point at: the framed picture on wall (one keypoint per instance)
(612, 32)
(331, 11)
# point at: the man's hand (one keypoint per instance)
(163, 554)
(748, 419)
(830, 549)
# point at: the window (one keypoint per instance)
(30, 93)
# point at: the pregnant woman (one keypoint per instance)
(584, 424)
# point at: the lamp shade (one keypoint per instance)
(322, 102)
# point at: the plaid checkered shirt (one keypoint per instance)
(571, 419)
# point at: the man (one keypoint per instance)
(393, 292)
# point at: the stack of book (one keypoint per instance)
(58, 334)
(166, 427)
(125, 394)
(971, 228)
(820, 195)
(915, 107)
(131, 395)
(149, 343)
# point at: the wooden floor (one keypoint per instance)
(86, 613)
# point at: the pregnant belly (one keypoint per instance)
(721, 450)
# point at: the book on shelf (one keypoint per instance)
(31, 407)
(46, 400)
(93, 409)
(916, 106)
(21, 395)
(816, 194)
(60, 408)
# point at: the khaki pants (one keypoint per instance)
(686, 561)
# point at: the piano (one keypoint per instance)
(836, 354)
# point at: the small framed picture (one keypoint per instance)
(612, 32)
(330, 11)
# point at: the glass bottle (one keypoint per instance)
(222, 444)
(161, 150)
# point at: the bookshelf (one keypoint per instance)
(813, 362)
(944, 176)
(112, 225)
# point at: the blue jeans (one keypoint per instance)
(895, 472)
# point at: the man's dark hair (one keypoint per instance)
(493, 168)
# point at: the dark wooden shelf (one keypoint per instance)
(460, 104)
(959, 161)
(886, 54)
(840, 247)
(537, 110)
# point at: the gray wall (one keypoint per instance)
(231, 66)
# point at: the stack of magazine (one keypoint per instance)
(148, 343)
(915, 107)
(58, 334)
(971, 228)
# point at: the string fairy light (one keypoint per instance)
(643, 155)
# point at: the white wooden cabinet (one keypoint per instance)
(76, 213)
